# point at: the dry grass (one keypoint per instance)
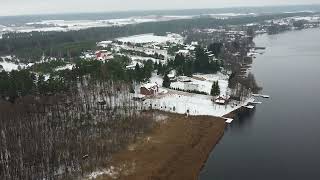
(176, 149)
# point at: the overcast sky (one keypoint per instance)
(17, 7)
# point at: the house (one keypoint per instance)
(104, 43)
(149, 89)
(221, 100)
(184, 52)
(194, 43)
(103, 55)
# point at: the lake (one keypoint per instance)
(281, 138)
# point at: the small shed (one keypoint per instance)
(149, 89)
(220, 100)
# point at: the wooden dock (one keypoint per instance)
(261, 95)
(255, 102)
(228, 120)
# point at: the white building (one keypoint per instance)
(184, 52)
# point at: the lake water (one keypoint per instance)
(280, 140)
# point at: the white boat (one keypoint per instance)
(249, 106)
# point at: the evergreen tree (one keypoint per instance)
(137, 72)
(188, 68)
(215, 48)
(215, 90)
(212, 93)
(147, 69)
(166, 81)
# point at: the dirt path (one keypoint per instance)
(175, 150)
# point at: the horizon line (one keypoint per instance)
(158, 10)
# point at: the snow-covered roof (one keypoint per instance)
(190, 47)
(149, 38)
(67, 66)
(183, 51)
(139, 96)
(194, 43)
(149, 85)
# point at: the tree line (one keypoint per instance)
(31, 46)
(197, 62)
(69, 135)
(69, 124)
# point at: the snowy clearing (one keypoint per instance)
(203, 83)
(156, 79)
(149, 38)
(68, 66)
(193, 104)
(9, 66)
(141, 59)
(72, 25)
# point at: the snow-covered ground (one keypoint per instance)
(139, 58)
(67, 66)
(203, 83)
(112, 172)
(10, 66)
(133, 64)
(149, 38)
(311, 19)
(69, 25)
(231, 14)
(193, 104)
(156, 79)
(287, 21)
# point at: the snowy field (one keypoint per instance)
(231, 15)
(70, 25)
(10, 66)
(141, 59)
(156, 79)
(192, 104)
(311, 19)
(204, 83)
(67, 66)
(286, 21)
(151, 38)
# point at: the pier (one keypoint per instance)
(261, 95)
(228, 120)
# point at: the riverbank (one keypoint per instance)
(274, 140)
(177, 148)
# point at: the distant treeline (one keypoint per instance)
(31, 46)
(16, 84)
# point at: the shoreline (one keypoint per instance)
(177, 148)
